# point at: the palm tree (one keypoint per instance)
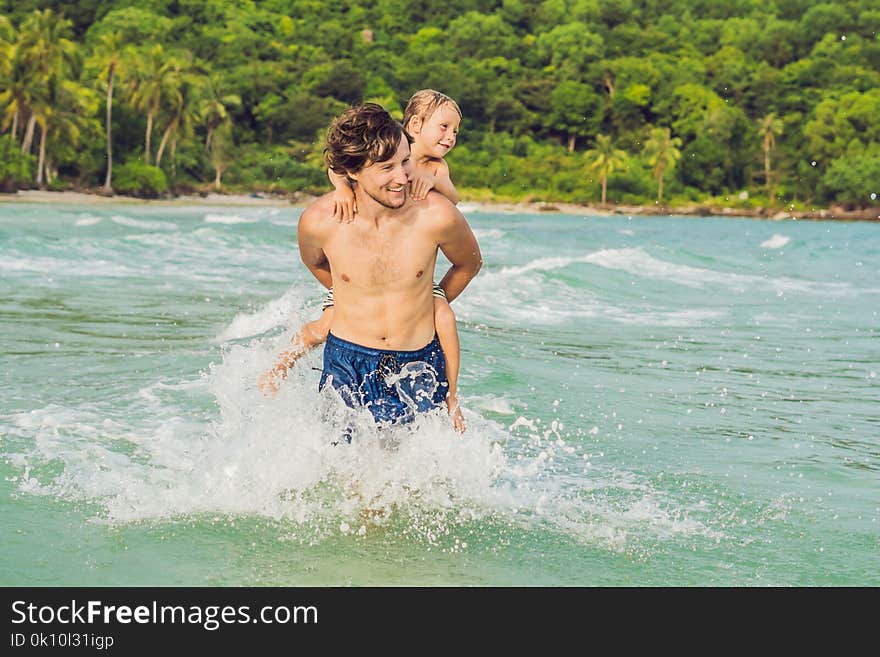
(19, 91)
(215, 108)
(604, 160)
(107, 57)
(768, 128)
(73, 111)
(221, 151)
(15, 74)
(182, 113)
(42, 112)
(44, 43)
(662, 151)
(155, 79)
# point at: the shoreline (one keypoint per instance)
(835, 213)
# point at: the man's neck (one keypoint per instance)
(370, 210)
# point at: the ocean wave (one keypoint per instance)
(71, 267)
(142, 223)
(488, 233)
(775, 242)
(529, 305)
(228, 219)
(638, 262)
(278, 312)
(540, 264)
(275, 457)
(492, 403)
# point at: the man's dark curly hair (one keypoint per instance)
(360, 136)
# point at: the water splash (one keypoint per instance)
(281, 458)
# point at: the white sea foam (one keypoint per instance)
(488, 233)
(228, 219)
(638, 262)
(523, 294)
(143, 223)
(492, 403)
(540, 264)
(63, 267)
(775, 242)
(87, 220)
(278, 312)
(637, 510)
(31, 263)
(268, 456)
(515, 294)
(275, 457)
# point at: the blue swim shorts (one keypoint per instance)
(393, 385)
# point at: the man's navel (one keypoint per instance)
(346, 278)
(419, 275)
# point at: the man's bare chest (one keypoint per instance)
(369, 258)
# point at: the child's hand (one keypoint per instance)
(268, 383)
(344, 207)
(420, 184)
(455, 415)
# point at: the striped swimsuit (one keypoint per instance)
(328, 300)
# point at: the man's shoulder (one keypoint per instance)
(440, 216)
(317, 213)
(437, 206)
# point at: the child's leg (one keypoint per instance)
(315, 333)
(447, 333)
(308, 337)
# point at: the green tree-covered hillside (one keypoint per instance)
(764, 102)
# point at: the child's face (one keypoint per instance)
(437, 135)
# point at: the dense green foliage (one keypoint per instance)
(139, 179)
(679, 100)
(15, 167)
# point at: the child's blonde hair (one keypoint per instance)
(423, 104)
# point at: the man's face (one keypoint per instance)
(387, 182)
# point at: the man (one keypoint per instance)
(381, 351)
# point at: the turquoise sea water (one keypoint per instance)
(651, 401)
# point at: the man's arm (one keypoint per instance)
(310, 251)
(459, 245)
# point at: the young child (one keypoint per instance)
(431, 119)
